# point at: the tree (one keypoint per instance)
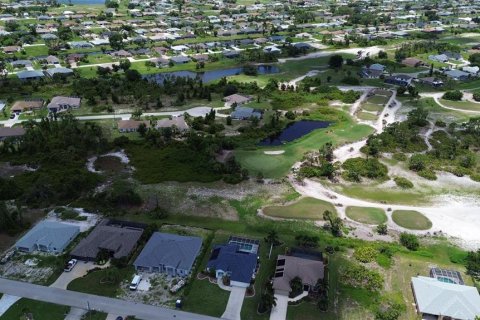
(272, 238)
(409, 241)
(455, 95)
(334, 223)
(335, 61)
(116, 41)
(476, 95)
(125, 64)
(142, 129)
(137, 113)
(382, 55)
(267, 301)
(64, 33)
(474, 59)
(296, 287)
(382, 229)
(473, 264)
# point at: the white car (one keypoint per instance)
(70, 264)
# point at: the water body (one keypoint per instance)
(294, 131)
(208, 76)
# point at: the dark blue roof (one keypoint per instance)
(241, 265)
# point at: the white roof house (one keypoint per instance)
(48, 236)
(437, 298)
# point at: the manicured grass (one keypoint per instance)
(367, 215)
(372, 107)
(366, 116)
(411, 219)
(96, 282)
(462, 105)
(382, 195)
(40, 310)
(277, 166)
(305, 208)
(206, 298)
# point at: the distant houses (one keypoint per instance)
(237, 99)
(61, 103)
(374, 71)
(402, 80)
(177, 123)
(245, 113)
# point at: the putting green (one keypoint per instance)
(411, 219)
(367, 215)
(362, 115)
(305, 208)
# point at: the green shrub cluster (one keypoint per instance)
(356, 168)
(403, 183)
(365, 254)
(358, 276)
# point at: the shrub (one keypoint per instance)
(389, 309)
(455, 95)
(382, 229)
(440, 123)
(475, 177)
(428, 174)
(403, 183)
(418, 162)
(476, 96)
(358, 276)
(409, 241)
(365, 254)
(359, 167)
(351, 81)
(400, 156)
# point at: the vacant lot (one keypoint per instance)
(39, 310)
(305, 208)
(410, 219)
(367, 215)
(105, 282)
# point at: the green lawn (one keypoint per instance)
(366, 116)
(97, 282)
(305, 208)
(372, 107)
(39, 310)
(277, 166)
(462, 105)
(382, 195)
(378, 99)
(367, 215)
(410, 219)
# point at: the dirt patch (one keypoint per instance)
(7, 170)
(25, 267)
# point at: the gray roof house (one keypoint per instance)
(30, 75)
(118, 239)
(169, 253)
(436, 299)
(60, 103)
(48, 236)
(59, 70)
(245, 113)
(457, 74)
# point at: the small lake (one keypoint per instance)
(294, 131)
(208, 76)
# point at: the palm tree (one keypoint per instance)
(268, 301)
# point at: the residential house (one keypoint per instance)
(29, 75)
(52, 60)
(131, 125)
(374, 71)
(235, 262)
(308, 266)
(11, 49)
(231, 54)
(176, 123)
(180, 59)
(121, 54)
(26, 105)
(167, 253)
(237, 99)
(457, 75)
(13, 132)
(60, 71)
(119, 238)
(413, 62)
(436, 299)
(438, 57)
(48, 236)
(245, 113)
(60, 103)
(432, 81)
(399, 80)
(473, 70)
(21, 63)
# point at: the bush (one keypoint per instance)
(409, 241)
(369, 168)
(358, 276)
(365, 254)
(418, 162)
(400, 156)
(382, 229)
(389, 309)
(440, 123)
(476, 96)
(475, 177)
(455, 95)
(403, 183)
(428, 174)
(351, 81)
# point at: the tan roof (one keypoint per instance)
(131, 124)
(307, 270)
(22, 105)
(237, 98)
(61, 100)
(11, 48)
(411, 62)
(178, 122)
(11, 132)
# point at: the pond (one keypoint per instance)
(208, 76)
(294, 131)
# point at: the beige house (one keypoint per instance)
(26, 105)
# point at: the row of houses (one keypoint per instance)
(57, 104)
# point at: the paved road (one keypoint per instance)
(103, 304)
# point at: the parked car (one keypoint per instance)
(70, 264)
(135, 282)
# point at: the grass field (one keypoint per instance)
(462, 105)
(305, 208)
(410, 219)
(256, 161)
(382, 195)
(39, 310)
(366, 116)
(96, 282)
(372, 107)
(367, 215)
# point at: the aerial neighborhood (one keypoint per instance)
(239, 160)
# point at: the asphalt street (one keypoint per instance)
(93, 302)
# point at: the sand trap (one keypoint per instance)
(273, 153)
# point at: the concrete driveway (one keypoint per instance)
(234, 305)
(6, 302)
(78, 271)
(279, 312)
